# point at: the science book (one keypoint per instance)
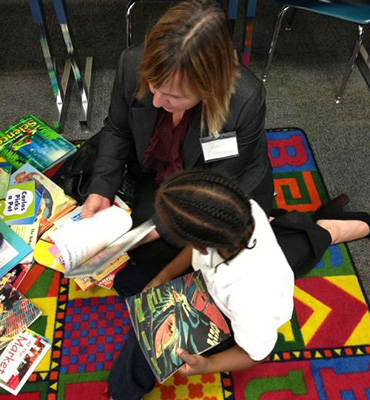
(17, 314)
(13, 249)
(20, 358)
(30, 140)
(55, 203)
(178, 314)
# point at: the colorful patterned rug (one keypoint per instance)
(322, 353)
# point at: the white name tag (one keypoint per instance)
(219, 146)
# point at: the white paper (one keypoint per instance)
(101, 260)
(7, 253)
(81, 240)
(220, 148)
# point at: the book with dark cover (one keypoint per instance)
(178, 314)
(30, 140)
(17, 313)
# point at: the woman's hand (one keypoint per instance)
(194, 364)
(93, 204)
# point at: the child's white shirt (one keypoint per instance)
(254, 289)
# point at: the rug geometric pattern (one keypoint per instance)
(322, 353)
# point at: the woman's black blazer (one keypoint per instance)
(130, 123)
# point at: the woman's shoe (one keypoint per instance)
(332, 205)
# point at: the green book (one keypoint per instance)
(21, 204)
(30, 140)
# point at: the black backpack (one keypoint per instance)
(75, 175)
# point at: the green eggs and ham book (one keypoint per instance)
(30, 140)
(177, 314)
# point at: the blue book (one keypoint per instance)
(12, 249)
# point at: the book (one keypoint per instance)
(21, 204)
(29, 234)
(20, 358)
(29, 140)
(17, 313)
(104, 278)
(177, 314)
(87, 246)
(55, 203)
(5, 170)
(12, 250)
(108, 281)
(15, 276)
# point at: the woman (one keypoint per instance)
(247, 264)
(183, 86)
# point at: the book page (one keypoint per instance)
(81, 240)
(7, 253)
(109, 254)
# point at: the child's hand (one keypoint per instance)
(194, 364)
(156, 281)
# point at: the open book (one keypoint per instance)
(178, 314)
(82, 247)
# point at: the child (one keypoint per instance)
(247, 264)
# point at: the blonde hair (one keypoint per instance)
(192, 42)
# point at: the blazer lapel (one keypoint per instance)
(144, 118)
(191, 148)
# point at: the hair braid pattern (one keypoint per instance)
(205, 209)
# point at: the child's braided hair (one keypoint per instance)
(205, 209)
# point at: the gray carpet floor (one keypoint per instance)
(306, 72)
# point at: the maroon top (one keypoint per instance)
(163, 152)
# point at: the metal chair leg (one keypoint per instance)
(274, 40)
(288, 26)
(83, 81)
(351, 63)
(59, 89)
(129, 7)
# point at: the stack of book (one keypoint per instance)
(22, 349)
(32, 206)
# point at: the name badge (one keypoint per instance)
(219, 146)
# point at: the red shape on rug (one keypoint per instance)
(85, 390)
(303, 312)
(21, 396)
(298, 158)
(346, 312)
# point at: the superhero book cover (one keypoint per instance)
(178, 314)
(30, 140)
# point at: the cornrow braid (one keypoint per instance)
(205, 209)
